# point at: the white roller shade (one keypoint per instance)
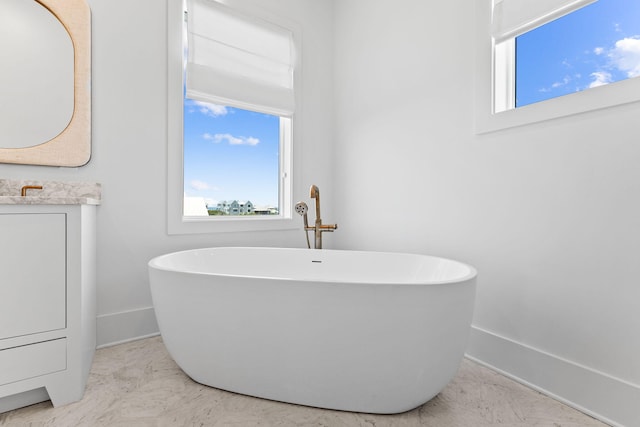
(512, 18)
(239, 60)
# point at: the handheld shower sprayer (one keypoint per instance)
(302, 209)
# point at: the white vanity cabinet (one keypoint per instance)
(47, 302)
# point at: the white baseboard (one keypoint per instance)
(117, 328)
(609, 399)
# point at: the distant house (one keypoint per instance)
(235, 207)
(265, 210)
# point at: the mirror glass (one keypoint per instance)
(36, 76)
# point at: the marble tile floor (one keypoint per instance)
(137, 384)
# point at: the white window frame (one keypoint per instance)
(177, 223)
(495, 86)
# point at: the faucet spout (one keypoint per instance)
(314, 192)
(23, 190)
(318, 227)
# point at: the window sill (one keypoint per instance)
(611, 95)
(199, 225)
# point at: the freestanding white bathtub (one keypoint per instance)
(357, 331)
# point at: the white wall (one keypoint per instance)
(129, 150)
(548, 213)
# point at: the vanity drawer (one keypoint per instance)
(30, 361)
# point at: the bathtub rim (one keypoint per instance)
(472, 274)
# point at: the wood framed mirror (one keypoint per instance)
(45, 84)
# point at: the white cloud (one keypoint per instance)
(600, 78)
(626, 56)
(212, 110)
(565, 81)
(199, 185)
(231, 140)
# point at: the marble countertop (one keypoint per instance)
(52, 192)
(38, 200)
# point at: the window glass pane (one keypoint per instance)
(593, 46)
(230, 155)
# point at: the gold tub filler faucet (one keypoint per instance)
(319, 227)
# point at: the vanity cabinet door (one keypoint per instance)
(32, 273)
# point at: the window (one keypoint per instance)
(231, 112)
(230, 154)
(551, 58)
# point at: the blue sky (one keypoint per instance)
(598, 44)
(230, 154)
